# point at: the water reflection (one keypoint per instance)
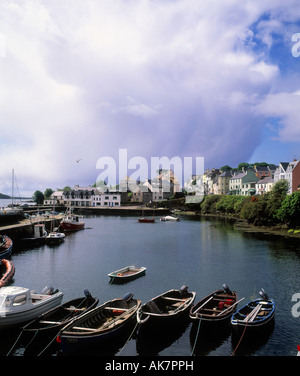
(204, 341)
(155, 340)
(248, 344)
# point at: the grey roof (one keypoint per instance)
(239, 176)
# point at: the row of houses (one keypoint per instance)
(258, 180)
(159, 189)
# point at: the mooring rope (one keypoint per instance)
(52, 340)
(239, 340)
(13, 346)
(129, 338)
(196, 337)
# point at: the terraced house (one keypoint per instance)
(243, 183)
(289, 171)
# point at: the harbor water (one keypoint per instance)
(198, 252)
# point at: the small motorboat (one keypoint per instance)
(6, 246)
(19, 305)
(46, 327)
(7, 273)
(169, 218)
(55, 237)
(146, 220)
(166, 308)
(216, 308)
(72, 222)
(99, 325)
(126, 274)
(255, 316)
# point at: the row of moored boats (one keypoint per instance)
(80, 323)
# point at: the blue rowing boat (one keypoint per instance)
(254, 316)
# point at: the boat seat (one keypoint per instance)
(84, 328)
(49, 322)
(74, 309)
(211, 310)
(175, 299)
(116, 308)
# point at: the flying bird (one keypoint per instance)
(78, 160)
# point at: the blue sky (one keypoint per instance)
(83, 79)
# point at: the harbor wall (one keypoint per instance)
(25, 228)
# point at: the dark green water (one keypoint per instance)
(200, 253)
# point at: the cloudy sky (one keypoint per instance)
(82, 79)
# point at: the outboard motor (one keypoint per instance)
(48, 290)
(87, 293)
(183, 291)
(128, 297)
(227, 289)
(263, 295)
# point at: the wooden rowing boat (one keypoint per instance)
(254, 316)
(166, 308)
(215, 308)
(40, 332)
(126, 274)
(100, 325)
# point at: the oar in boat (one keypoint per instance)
(253, 312)
(198, 309)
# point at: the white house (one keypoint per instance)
(85, 196)
(264, 185)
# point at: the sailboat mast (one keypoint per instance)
(12, 188)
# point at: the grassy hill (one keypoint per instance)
(4, 196)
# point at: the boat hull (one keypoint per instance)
(6, 248)
(146, 220)
(69, 226)
(215, 310)
(55, 238)
(44, 328)
(8, 319)
(127, 274)
(263, 320)
(9, 272)
(80, 334)
(165, 310)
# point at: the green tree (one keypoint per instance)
(48, 192)
(277, 195)
(255, 211)
(208, 205)
(38, 197)
(227, 204)
(289, 211)
(226, 168)
(243, 165)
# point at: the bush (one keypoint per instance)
(229, 204)
(256, 212)
(208, 205)
(289, 211)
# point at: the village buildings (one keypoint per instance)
(257, 180)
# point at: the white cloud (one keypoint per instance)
(285, 107)
(83, 77)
